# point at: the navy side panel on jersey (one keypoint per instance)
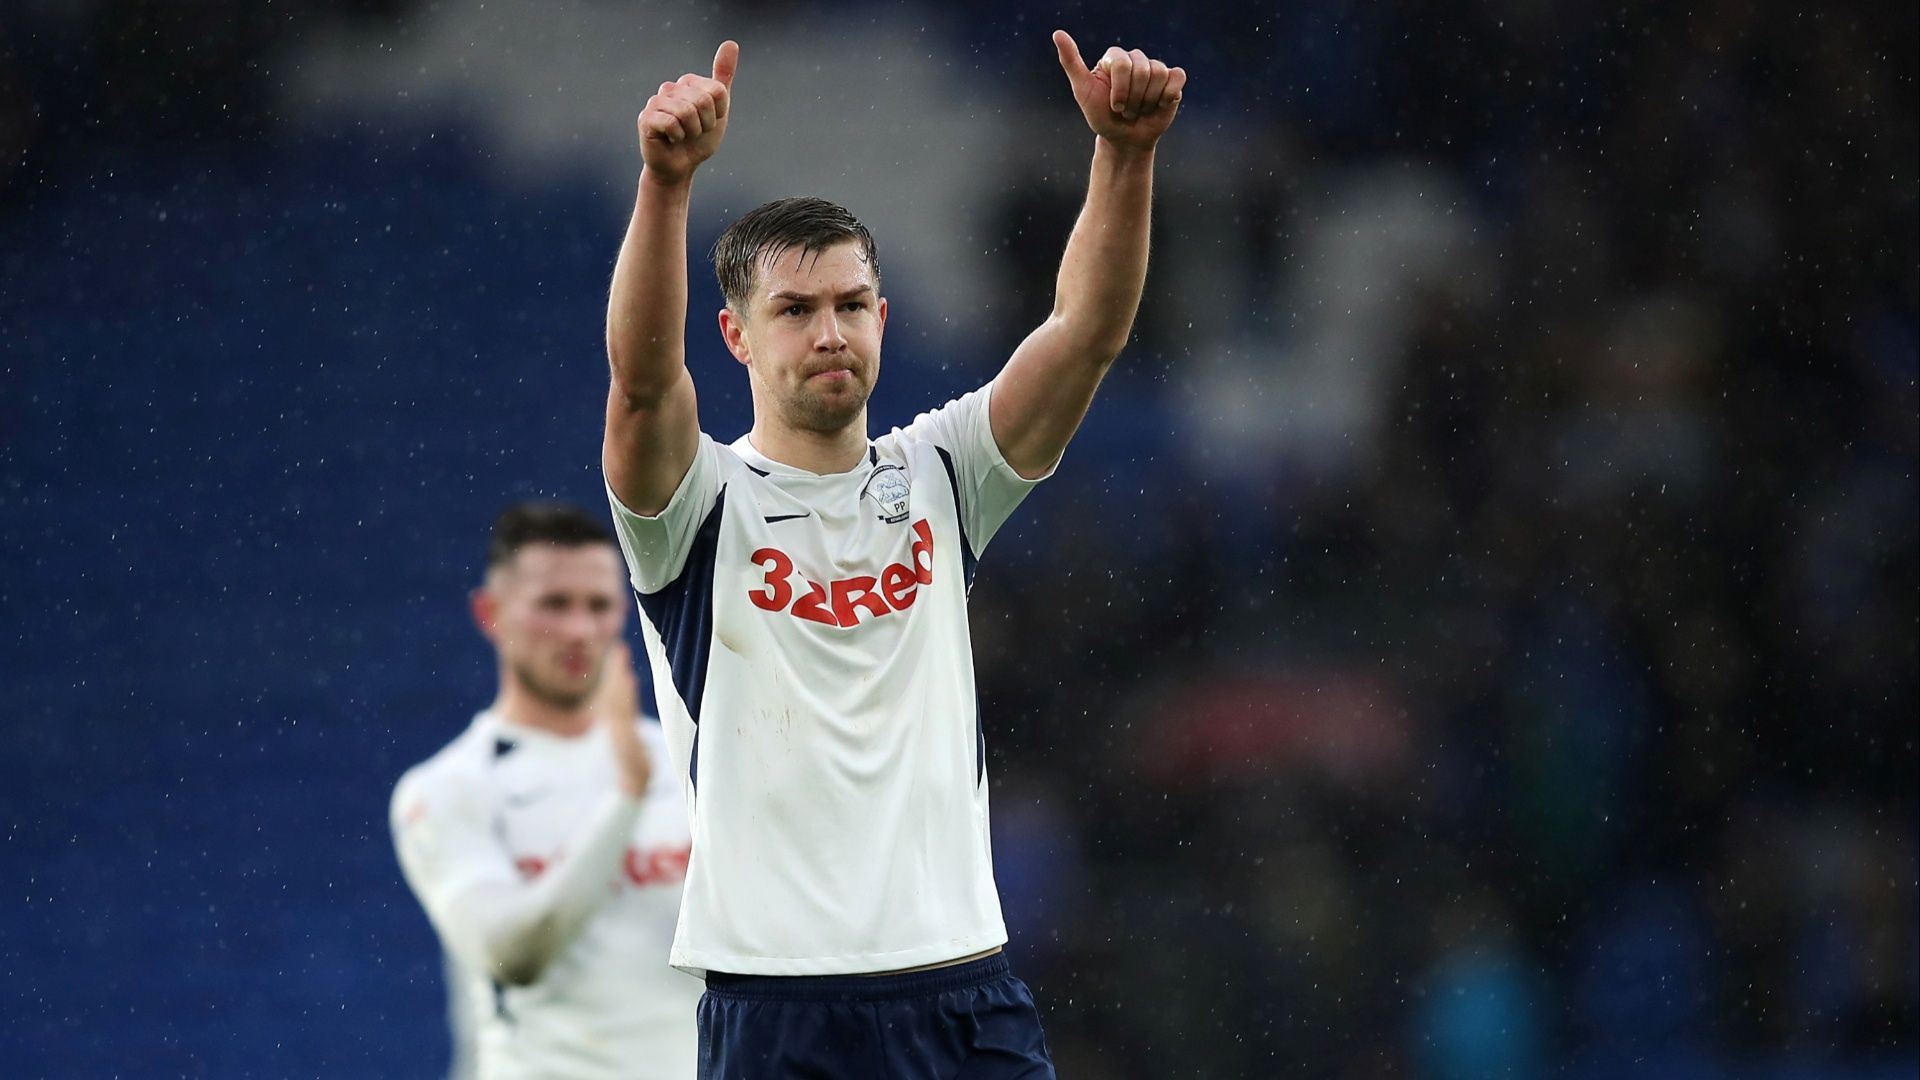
(968, 560)
(683, 613)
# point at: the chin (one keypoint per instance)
(561, 690)
(829, 414)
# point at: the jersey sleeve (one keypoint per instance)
(484, 910)
(656, 547)
(443, 833)
(988, 488)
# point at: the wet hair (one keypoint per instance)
(542, 523)
(768, 232)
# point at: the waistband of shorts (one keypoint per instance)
(860, 987)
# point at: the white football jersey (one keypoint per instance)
(808, 635)
(502, 803)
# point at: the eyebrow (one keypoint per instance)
(788, 294)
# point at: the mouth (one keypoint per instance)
(832, 375)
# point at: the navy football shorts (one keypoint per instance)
(971, 1021)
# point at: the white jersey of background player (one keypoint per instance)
(547, 851)
(805, 588)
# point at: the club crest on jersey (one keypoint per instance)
(888, 488)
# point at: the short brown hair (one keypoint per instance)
(768, 232)
(542, 523)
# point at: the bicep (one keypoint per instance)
(649, 446)
(1041, 396)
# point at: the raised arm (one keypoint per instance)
(1042, 395)
(653, 427)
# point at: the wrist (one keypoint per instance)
(1122, 154)
(653, 179)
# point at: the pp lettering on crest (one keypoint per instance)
(889, 490)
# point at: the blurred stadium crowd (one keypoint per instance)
(1475, 636)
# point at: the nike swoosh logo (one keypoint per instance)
(527, 798)
(771, 518)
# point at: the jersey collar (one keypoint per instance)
(764, 465)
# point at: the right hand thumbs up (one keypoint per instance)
(684, 122)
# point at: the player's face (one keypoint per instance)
(810, 337)
(551, 613)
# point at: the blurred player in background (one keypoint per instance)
(804, 595)
(546, 848)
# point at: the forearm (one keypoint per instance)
(647, 305)
(1044, 391)
(514, 932)
(1104, 267)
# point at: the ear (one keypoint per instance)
(880, 309)
(733, 331)
(485, 609)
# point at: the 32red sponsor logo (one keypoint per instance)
(653, 866)
(657, 866)
(841, 603)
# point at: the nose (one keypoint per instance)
(579, 624)
(830, 338)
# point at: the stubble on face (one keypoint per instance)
(824, 411)
(553, 691)
(800, 382)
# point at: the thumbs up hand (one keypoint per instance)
(684, 121)
(1128, 99)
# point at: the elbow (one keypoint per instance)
(631, 396)
(1102, 354)
(519, 974)
(624, 368)
(1099, 341)
(637, 393)
(1099, 353)
(1104, 342)
(523, 960)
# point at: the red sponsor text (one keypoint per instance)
(842, 603)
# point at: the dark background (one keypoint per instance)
(1539, 701)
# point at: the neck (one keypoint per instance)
(516, 706)
(814, 451)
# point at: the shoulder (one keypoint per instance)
(729, 459)
(667, 786)
(456, 769)
(651, 733)
(654, 738)
(949, 425)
